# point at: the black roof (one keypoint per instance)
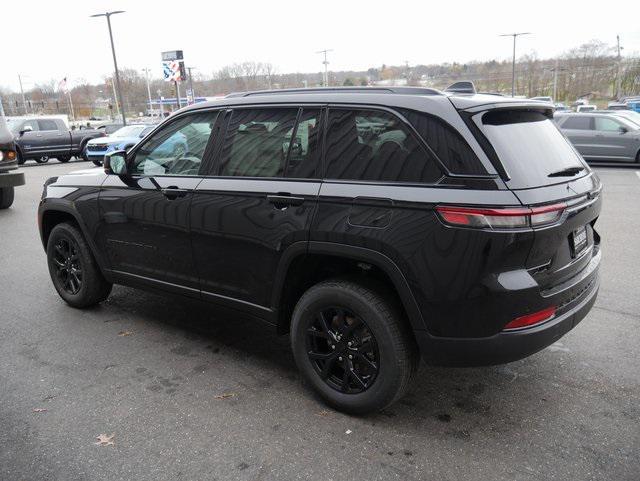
(325, 90)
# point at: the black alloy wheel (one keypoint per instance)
(68, 266)
(343, 350)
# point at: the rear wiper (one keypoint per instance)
(568, 172)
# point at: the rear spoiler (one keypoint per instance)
(545, 107)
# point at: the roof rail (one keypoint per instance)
(342, 90)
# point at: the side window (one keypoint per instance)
(304, 148)
(257, 141)
(47, 124)
(30, 123)
(178, 148)
(447, 143)
(607, 125)
(375, 145)
(577, 123)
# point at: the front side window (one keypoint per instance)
(374, 145)
(606, 124)
(178, 148)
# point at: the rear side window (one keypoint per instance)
(530, 147)
(257, 142)
(376, 146)
(577, 123)
(47, 124)
(450, 147)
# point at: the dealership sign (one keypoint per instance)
(173, 66)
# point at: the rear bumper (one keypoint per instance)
(11, 179)
(508, 346)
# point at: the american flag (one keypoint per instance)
(62, 86)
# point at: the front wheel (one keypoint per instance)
(43, 159)
(73, 269)
(64, 160)
(6, 197)
(352, 345)
(96, 162)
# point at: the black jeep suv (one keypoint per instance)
(377, 226)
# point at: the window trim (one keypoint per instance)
(444, 172)
(171, 120)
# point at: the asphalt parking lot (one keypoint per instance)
(191, 395)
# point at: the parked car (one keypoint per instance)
(617, 106)
(543, 99)
(122, 139)
(627, 114)
(586, 108)
(9, 177)
(560, 107)
(602, 136)
(461, 230)
(41, 138)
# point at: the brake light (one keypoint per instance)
(531, 319)
(501, 218)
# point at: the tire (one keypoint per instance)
(42, 159)
(96, 162)
(64, 160)
(383, 351)
(6, 197)
(21, 159)
(74, 271)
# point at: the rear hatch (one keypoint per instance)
(541, 167)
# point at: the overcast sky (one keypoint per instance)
(45, 39)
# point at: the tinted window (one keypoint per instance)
(45, 124)
(607, 124)
(577, 123)
(529, 146)
(30, 123)
(452, 150)
(375, 145)
(303, 152)
(257, 142)
(176, 149)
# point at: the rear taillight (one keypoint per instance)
(501, 218)
(531, 319)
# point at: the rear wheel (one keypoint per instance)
(352, 345)
(64, 160)
(74, 272)
(42, 159)
(6, 197)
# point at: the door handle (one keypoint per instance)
(284, 200)
(173, 192)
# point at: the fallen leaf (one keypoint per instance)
(124, 333)
(323, 413)
(39, 410)
(104, 440)
(348, 431)
(225, 395)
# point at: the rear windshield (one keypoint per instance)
(530, 147)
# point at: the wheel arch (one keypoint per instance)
(50, 216)
(303, 265)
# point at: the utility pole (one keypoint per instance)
(24, 100)
(555, 71)
(406, 65)
(193, 94)
(115, 62)
(146, 73)
(326, 66)
(160, 99)
(513, 66)
(619, 76)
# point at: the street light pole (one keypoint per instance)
(146, 73)
(513, 65)
(115, 62)
(193, 94)
(326, 66)
(24, 100)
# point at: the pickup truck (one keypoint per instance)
(8, 165)
(41, 138)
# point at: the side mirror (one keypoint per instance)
(26, 128)
(622, 130)
(115, 163)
